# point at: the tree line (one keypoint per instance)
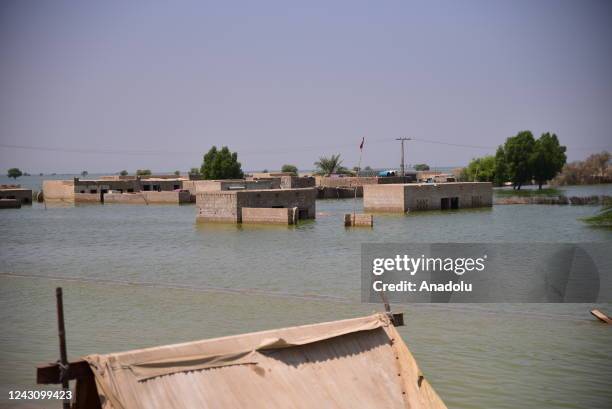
(520, 160)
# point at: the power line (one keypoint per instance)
(142, 152)
(161, 153)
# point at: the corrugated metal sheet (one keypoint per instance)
(356, 363)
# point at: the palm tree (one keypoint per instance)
(328, 165)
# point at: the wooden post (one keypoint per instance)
(62, 344)
(601, 316)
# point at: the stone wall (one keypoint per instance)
(428, 196)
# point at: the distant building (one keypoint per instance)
(427, 196)
(17, 193)
(93, 190)
(336, 186)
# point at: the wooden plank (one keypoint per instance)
(86, 394)
(397, 319)
(601, 316)
(50, 374)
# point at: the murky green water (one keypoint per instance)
(220, 277)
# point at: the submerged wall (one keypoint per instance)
(352, 181)
(58, 190)
(226, 206)
(145, 198)
(23, 196)
(428, 196)
(266, 215)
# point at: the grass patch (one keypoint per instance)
(528, 192)
(602, 219)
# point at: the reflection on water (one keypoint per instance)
(502, 356)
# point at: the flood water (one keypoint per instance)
(136, 276)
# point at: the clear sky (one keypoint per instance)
(117, 85)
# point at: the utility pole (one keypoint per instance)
(403, 169)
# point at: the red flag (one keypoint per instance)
(362, 141)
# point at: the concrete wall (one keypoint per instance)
(264, 215)
(429, 196)
(226, 206)
(196, 186)
(144, 198)
(97, 185)
(86, 198)
(9, 203)
(326, 181)
(339, 192)
(58, 190)
(165, 185)
(303, 199)
(220, 206)
(297, 182)
(383, 198)
(88, 191)
(23, 196)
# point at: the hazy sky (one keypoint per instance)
(118, 85)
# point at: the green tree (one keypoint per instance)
(194, 171)
(290, 169)
(221, 164)
(177, 173)
(501, 172)
(84, 173)
(328, 165)
(480, 170)
(547, 159)
(421, 167)
(143, 172)
(123, 173)
(518, 154)
(14, 173)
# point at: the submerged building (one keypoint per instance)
(427, 196)
(355, 363)
(16, 193)
(277, 206)
(338, 186)
(132, 190)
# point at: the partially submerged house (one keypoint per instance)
(354, 363)
(277, 206)
(96, 190)
(16, 194)
(427, 196)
